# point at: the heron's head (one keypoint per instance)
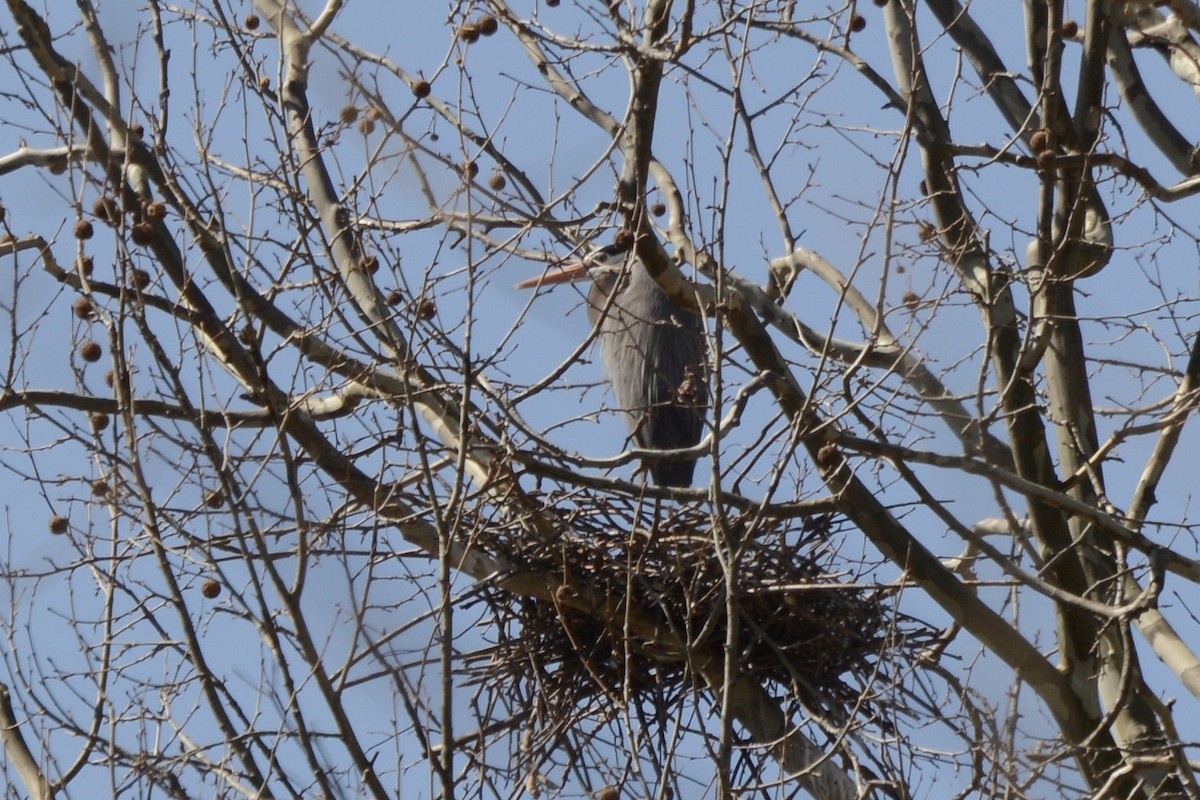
(602, 264)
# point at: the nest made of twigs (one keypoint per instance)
(644, 597)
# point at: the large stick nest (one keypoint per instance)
(817, 634)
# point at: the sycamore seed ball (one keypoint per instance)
(90, 351)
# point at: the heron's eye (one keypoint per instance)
(608, 255)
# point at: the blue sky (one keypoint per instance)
(834, 142)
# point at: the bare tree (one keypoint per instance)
(338, 512)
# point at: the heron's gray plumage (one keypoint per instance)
(654, 353)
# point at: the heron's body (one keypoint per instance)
(653, 351)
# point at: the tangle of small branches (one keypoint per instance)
(802, 626)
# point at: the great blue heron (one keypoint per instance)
(653, 352)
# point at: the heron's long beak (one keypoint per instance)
(564, 273)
